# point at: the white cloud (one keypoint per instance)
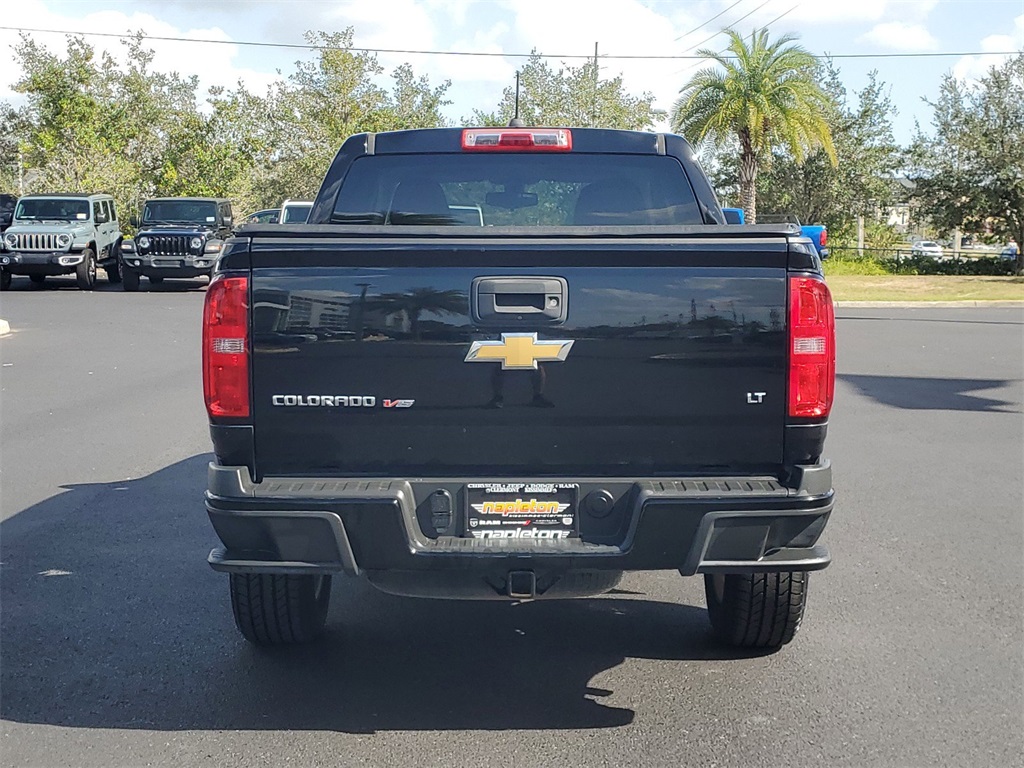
(623, 27)
(846, 11)
(798, 14)
(972, 68)
(898, 36)
(627, 27)
(213, 64)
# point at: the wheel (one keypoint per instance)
(760, 610)
(5, 279)
(279, 610)
(85, 273)
(156, 280)
(114, 270)
(130, 279)
(37, 279)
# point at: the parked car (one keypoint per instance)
(927, 248)
(178, 237)
(582, 418)
(295, 211)
(1010, 252)
(62, 234)
(816, 233)
(7, 203)
(734, 215)
(266, 216)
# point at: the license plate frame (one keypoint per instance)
(522, 511)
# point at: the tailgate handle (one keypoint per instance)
(519, 300)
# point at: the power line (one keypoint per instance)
(684, 70)
(709, 39)
(699, 26)
(416, 52)
(782, 15)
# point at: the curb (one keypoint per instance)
(930, 304)
(5, 327)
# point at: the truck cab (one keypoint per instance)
(514, 364)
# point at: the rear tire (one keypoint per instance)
(114, 270)
(760, 610)
(37, 279)
(279, 610)
(130, 280)
(85, 273)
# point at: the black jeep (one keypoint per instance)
(177, 237)
(7, 203)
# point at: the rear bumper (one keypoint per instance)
(377, 527)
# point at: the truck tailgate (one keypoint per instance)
(663, 356)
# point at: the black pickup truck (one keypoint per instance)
(513, 364)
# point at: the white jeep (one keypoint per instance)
(61, 234)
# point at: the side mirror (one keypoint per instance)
(134, 221)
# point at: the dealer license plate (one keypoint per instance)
(523, 511)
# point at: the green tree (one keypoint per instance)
(242, 121)
(860, 183)
(969, 173)
(762, 95)
(414, 102)
(294, 131)
(571, 96)
(65, 137)
(93, 124)
(10, 130)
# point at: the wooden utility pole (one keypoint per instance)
(593, 101)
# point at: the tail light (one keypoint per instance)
(226, 347)
(812, 348)
(824, 238)
(517, 140)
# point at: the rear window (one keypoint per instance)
(524, 190)
(297, 214)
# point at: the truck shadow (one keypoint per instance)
(112, 619)
(927, 394)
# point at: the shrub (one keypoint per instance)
(845, 265)
(924, 265)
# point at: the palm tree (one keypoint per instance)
(764, 95)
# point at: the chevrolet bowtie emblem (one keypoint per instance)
(518, 351)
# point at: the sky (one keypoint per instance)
(561, 28)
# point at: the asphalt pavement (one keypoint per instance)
(117, 646)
